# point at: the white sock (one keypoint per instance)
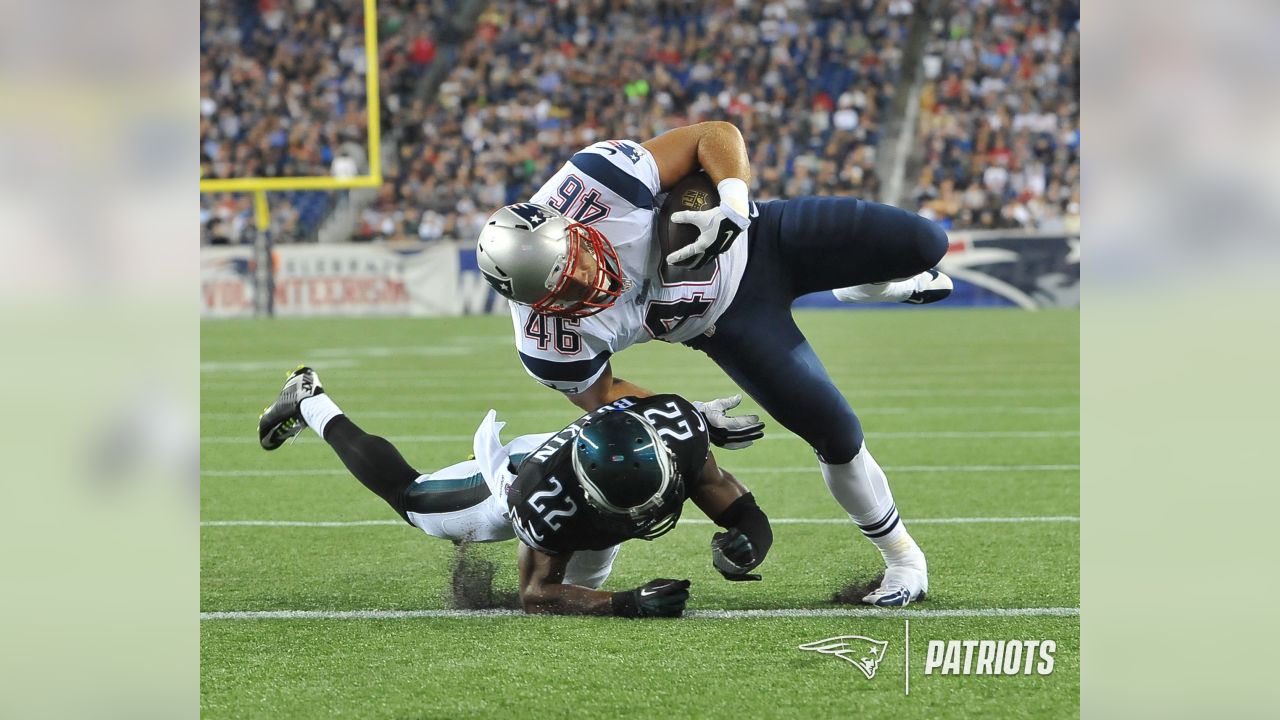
(893, 291)
(318, 410)
(862, 489)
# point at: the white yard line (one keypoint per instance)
(687, 521)
(427, 411)
(760, 470)
(914, 435)
(855, 612)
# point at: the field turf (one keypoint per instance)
(973, 413)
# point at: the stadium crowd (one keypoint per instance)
(806, 81)
(809, 82)
(1000, 116)
(282, 93)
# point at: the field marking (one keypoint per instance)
(860, 612)
(474, 398)
(429, 412)
(762, 470)
(688, 521)
(736, 471)
(263, 366)
(884, 366)
(913, 435)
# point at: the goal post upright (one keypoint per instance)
(260, 186)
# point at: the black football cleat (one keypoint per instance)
(932, 286)
(282, 419)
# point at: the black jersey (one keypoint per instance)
(546, 503)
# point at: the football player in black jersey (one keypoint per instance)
(619, 473)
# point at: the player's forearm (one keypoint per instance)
(561, 599)
(729, 504)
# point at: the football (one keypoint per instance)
(695, 192)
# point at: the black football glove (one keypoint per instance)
(657, 598)
(733, 555)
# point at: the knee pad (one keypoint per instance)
(838, 441)
(590, 568)
(931, 243)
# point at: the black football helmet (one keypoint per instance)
(628, 475)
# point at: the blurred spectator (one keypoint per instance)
(282, 91)
(1000, 116)
(807, 81)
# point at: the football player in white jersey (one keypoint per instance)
(582, 269)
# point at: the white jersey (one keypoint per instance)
(613, 186)
(486, 521)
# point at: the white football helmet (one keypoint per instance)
(533, 255)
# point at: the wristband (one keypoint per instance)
(733, 196)
(745, 515)
(624, 604)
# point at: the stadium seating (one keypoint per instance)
(1000, 117)
(282, 89)
(540, 80)
(810, 82)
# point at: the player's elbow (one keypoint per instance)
(721, 126)
(536, 599)
(531, 600)
(721, 130)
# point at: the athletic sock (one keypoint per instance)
(373, 460)
(862, 489)
(318, 410)
(893, 291)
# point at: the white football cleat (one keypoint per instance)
(931, 286)
(902, 584)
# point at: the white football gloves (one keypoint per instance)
(717, 228)
(730, 433)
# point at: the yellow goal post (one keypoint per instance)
(259, 186)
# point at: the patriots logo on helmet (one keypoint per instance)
(502, 285)
(861, 652)
(530, 213)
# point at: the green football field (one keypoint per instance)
(973, 414)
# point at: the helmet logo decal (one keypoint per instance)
(502, 285)
(530, 213)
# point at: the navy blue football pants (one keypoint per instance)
(800, 246)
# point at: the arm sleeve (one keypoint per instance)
(745, 515)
